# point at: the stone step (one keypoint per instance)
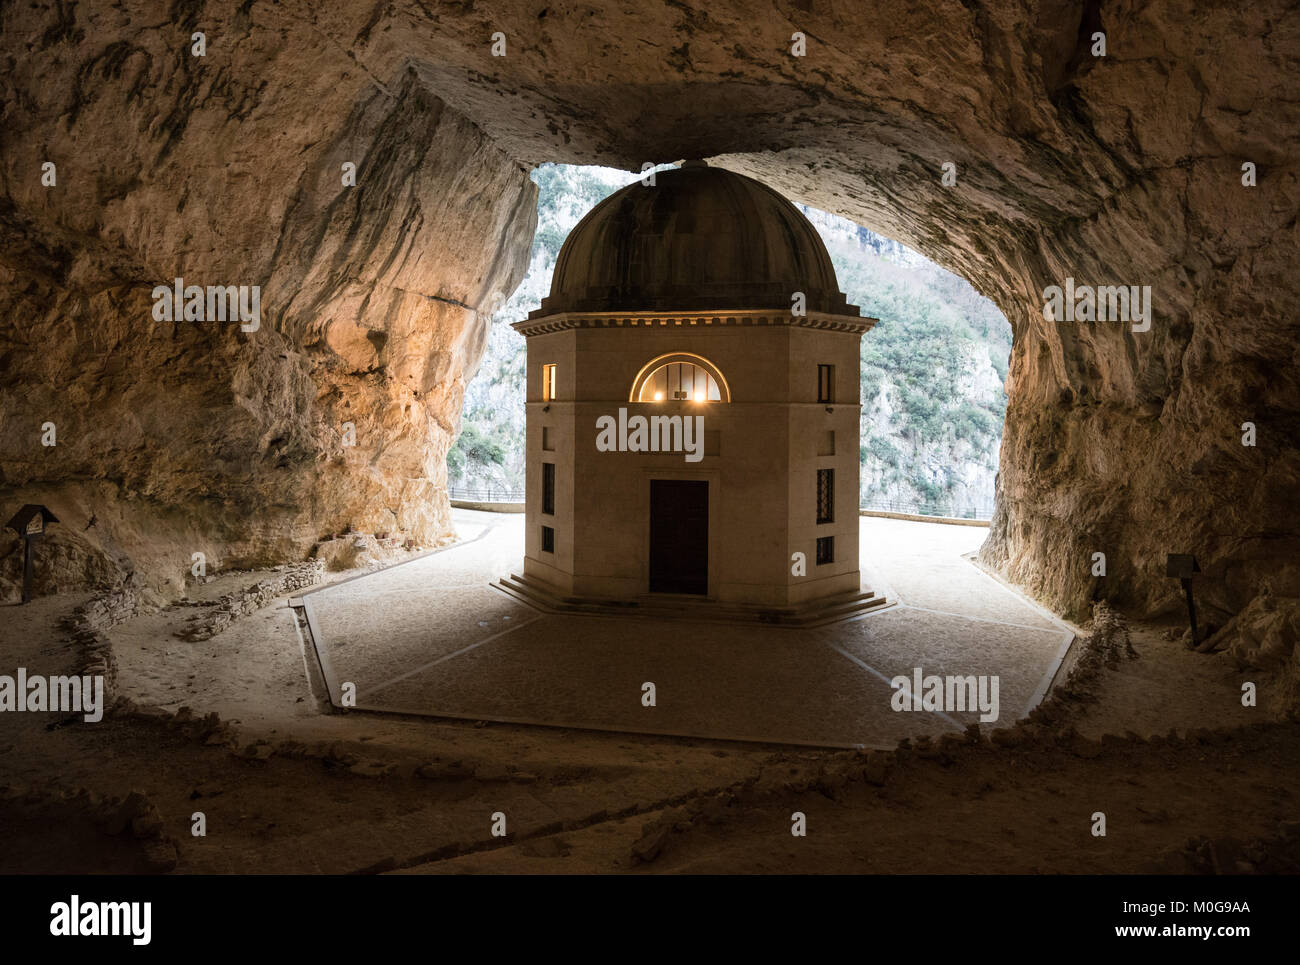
(843, 606)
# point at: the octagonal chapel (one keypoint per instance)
(693, 404)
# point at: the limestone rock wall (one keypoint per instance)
(196, 436)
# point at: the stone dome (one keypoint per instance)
(699, 239)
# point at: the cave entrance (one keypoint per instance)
(932, 372)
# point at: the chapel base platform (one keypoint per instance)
(664, 606)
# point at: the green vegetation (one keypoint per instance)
(932, 368)
(475, 447)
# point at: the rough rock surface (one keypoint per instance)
(227, 170)
(1117, 170)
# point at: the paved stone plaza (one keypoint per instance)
(431, 636)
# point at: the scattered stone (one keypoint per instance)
(147, 825)
(136, 804)
(372, 768)
(492, 772)
(160, 855)
(232, 606)
(650, 844)
(445, 772)
(1080, 746)
(831, 781)
(950, 743)
(337, 754)
(876, 770)
(714, 810)
(111, 820)
(1224, 853)
(147, 712)
(1006, 737)
(551, 847)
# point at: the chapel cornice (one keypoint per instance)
(563, 321)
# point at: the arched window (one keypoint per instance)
(680, 377)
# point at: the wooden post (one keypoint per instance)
(1191, 608)
(29, 523)
(27, 568)
(1182, 566)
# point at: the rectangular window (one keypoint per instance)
(548, 382)
(548, 540)
(825, 383)
(825, 550)
(548, 488)
(825, 495)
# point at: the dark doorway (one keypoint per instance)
(679, 536)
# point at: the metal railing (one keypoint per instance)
(491, 494)
(494, 494)
(929, 509)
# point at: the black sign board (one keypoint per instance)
(29, 523)
(1181, 566)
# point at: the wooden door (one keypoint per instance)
(679, 536)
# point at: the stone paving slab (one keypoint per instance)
(923, 565)
(902, 639)
(431, 637)
(736, 683)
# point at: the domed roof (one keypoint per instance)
(699, 239)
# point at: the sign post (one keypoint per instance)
(1182, 566)
(29, 523)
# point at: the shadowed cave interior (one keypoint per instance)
(321, 434)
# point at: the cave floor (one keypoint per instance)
(296, 789)
(432, 637)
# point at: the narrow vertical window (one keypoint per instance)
(825, 550)
(548, 540)
(548, 382)
(825, 495)
(548, 488)
(825, 383)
